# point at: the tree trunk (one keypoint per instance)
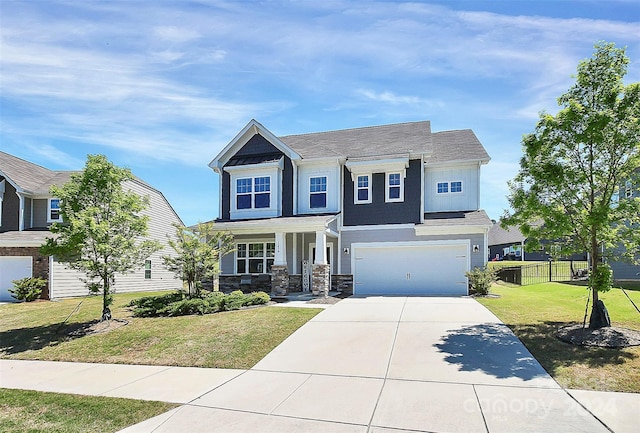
(599, 315)
(106, 311)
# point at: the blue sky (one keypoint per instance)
(161, 87)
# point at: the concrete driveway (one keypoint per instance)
(389, 365)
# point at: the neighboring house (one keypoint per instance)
(623, 270)
(390, 209)
(510, 244)
(27, 210)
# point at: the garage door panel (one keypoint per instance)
(411, 269)
(13, 268)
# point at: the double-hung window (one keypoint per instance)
(318, 192)
(628, 190)
(147, 269)
(362, 191)
(53, 212)
(394, 190)
(255, 257)
(253, 192)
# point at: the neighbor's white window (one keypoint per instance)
(442, 187)
(449, 187)
(253, 192)
(255, 257)
(456, 186)
(53, 212)
(395, 188)
(628, 190)
(318, 192)
(362, 193)
(147, 269)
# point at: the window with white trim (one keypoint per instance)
(53, 210)
(318, 192)
(253, 192)
(362, 185)
(453, 187)
(628, 190)
(147, 269)
(255, 257)
(394, 188)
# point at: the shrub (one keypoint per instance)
(235, 300)
(258, 298)
(28, 289)
(481, 279)
(149, 306)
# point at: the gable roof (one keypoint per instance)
(29, 177)
(413, 138)
(498, 236)
(457, 146)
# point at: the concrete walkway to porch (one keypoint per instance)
(377, 364)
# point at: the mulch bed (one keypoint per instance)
(609, 337)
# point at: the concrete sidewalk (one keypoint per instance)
(375, 364)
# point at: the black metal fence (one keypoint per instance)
(544, 272)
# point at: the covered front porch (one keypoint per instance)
(284, 255)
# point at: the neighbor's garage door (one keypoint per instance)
(414, 268)
(13, 268)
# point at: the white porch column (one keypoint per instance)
(21, 212)
(321, 248)
(281, 250)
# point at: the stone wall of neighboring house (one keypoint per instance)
(40, 262)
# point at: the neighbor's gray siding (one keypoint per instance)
(66, 282)
(40, 208)
(10, 209)
(406, 235)
(625, 271)
(378, 211)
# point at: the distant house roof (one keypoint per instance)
(498, 235)
(29, 177)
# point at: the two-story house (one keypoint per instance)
(622, 270)
(391, 209)
(27, 210)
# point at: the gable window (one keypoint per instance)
(394, 188)
(253, 192)
(363, 189)
(449, 187)
(53, 212)
(255, 258)
(147, 269)
(318, 192)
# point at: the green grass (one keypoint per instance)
(45, 412)
(536, 312)
(235, 339)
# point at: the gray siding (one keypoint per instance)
(378, 211)
(66, 282)
(40, 208)
(625, 271)
(10, 209)
(405, 235)
(28, 204)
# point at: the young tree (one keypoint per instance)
(102, 232)
(199, 250)
(574, 165)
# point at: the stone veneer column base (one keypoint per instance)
(279, 279)
(321, 280)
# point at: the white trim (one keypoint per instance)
(257, 167)
(247, 258)
(448, 183)
(422, 179)
(458, 162)
(49, 219)
(21, 211)
(400, 199)
(325, 192)
(422, 230)
(369, 188)
(377, 166)
(377, 227)
(51, 274)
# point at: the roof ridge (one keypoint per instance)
(355, 128)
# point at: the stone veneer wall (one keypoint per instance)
(295, 283)
(321, 280)
(342, 283)
(40, 263)
(259, 283)
(279, 280)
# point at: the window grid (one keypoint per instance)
(253, 193)
(54, 210)
(394, 187)
(362, 189)
(443, 187)
(147, 269)
(456, 186)
(255, 258)
(318, 192)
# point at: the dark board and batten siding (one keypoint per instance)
(258, 145)
(378, 211)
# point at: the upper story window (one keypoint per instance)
(255, 258)
(53, 211)
(628, 190)
(449, 187)
(394, 188)
(253, 192)
(362, 191)
(318, 192)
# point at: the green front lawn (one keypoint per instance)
(234, 339)
(46, 412)
(535, 312)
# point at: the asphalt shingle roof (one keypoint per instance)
(31, 177)
(498, 236)
(460, 145)
(469, 218)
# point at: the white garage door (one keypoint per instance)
(413, 268)
(13, 268)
